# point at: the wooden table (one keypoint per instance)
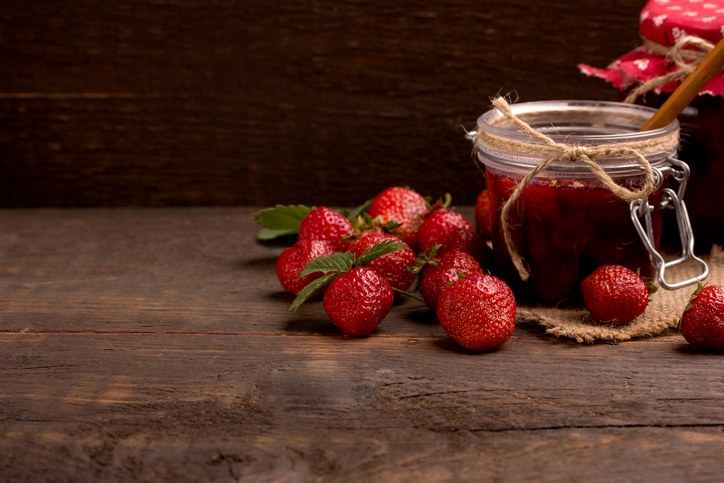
(156, 345)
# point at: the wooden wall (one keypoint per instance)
(258, 102)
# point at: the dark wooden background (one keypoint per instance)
(224, 102)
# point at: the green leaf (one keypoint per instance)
(381, 248)
(336, 262)
(310, 289)
(360, 209)
(268, 234)
(282, 217)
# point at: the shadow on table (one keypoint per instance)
(686, 348)
(312, 326)
(266, 264)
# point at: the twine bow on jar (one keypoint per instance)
(542, 145)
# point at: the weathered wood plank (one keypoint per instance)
(297, 408)
(187, 102)
(156, 345)
(163, 270)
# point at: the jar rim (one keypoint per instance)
(573, 123)
(632, 118)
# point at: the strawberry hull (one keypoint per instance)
(564, 230)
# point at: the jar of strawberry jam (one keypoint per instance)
(675, 36)
(566, 221)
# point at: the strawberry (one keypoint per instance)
(464, 240)
(392, 266)
(293, 259)
(404, 206)
(358, 300)
(702, 323)
(439, 272)
(439, 225)
(482, 215)
(614, 294)
(324, 223)
(478, 312)
(357, 297)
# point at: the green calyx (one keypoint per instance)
(338, 263)
(364, 223)
(699, 287)
(460, 275)
(428, 257)
(441, 204)
(649, 282)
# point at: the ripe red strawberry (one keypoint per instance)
(614, 294)
(439, 225)
(392, 266)
(360, 296)
(324, 223)
(358, 300)
(440, 272)
(293, 260)
(702, 323)
(464, 240)
(402, 205)
(478, 312)
(482, 215)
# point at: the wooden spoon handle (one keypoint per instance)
(688, 89)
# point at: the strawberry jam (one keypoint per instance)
(564, 230)
(566, 222)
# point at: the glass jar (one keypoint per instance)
(702, 148)
(566, 222)
(673, 33)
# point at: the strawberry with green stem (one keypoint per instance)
(439, 223)
(702, 323)
(285, 220)
(324, 223)
(478, 312)
(292, 261)
(393, 266)
(615, 295)
(404, 206)
(464, 240)
(357, 297)
(436, 272)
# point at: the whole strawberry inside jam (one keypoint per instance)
(564, 229)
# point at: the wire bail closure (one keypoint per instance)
(675, 200)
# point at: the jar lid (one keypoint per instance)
(664, 22)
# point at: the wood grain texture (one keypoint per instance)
(189, 408)
(184, 102)
(156, 345)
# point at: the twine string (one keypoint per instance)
(571, 153)
(681, 54)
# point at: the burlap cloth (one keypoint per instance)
(661, 315)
